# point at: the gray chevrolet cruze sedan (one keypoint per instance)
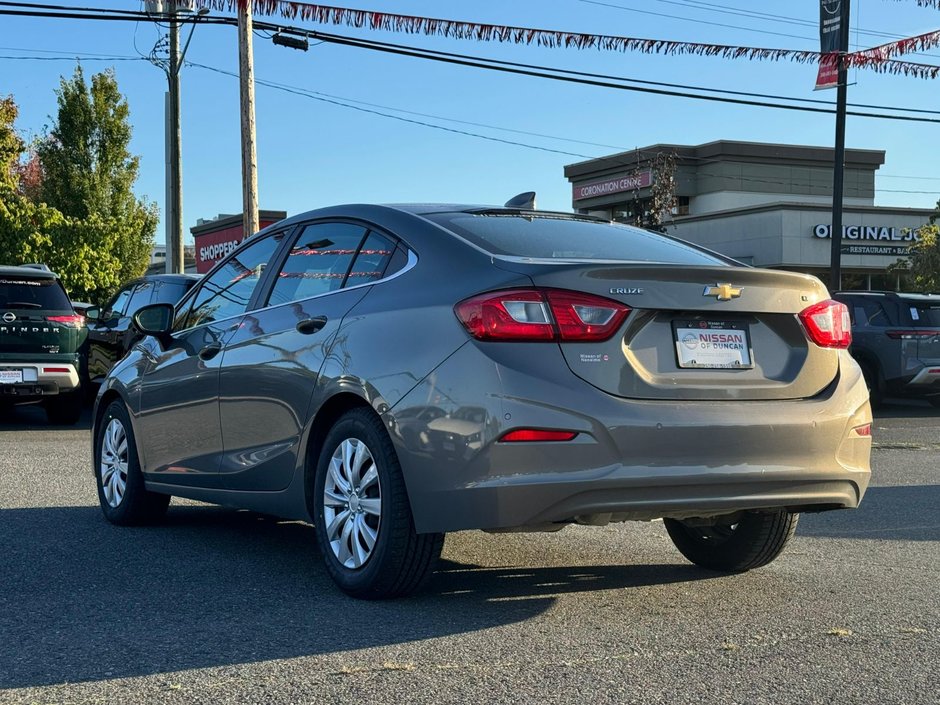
(392, 373)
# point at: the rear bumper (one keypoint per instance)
(929, 376)
(39, 380)
(632, 459)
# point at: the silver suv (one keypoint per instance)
(896, 340)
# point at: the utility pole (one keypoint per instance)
(174, 235)
(246, 72)
(838, 175)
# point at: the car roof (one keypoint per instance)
(171, 277)
(418, 209)
(35, 273)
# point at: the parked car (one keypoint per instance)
(40, 338)
(110, 334)
(587, 372)
(896, 340)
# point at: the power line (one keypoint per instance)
(472, 62)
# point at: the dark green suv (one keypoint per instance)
(40, 341)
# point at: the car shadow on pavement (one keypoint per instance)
(32, 417)
(899, 513)
(82, 600)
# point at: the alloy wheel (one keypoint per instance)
(114, 457)
(352, 503)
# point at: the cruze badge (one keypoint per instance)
(724, 292)
(627, 290)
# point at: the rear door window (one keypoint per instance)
(318, 262)
(33, 293)
(372, 261)
(140, 297)
(169, 292)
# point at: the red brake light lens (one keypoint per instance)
(541, 314)
(534, 435)
(73, 321)
(827, 324)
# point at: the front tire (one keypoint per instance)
(755, 540)
(122, 495)
(364, 524)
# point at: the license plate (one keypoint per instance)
(11, 376)
(713, 345)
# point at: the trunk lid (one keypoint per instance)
(686, 321)
(36, 317)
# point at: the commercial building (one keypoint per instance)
(218, 236)
(769, 205)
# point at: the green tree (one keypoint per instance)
(89, 253)
(88, 171)
(922, 266)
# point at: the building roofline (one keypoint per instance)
(728, 150)
(798, 206)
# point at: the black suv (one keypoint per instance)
(896, 340)
(110, 334)
(40, 339)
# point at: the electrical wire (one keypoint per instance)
(481, 63)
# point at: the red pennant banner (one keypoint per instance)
(878, 59)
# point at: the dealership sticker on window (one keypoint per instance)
(713, 345)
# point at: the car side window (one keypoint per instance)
(140, 297)
(168, 292)
(318, 262)
(227, 291)
(876, 314)
(372, 261)
(119, 305)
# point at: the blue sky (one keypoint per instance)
(312, 153)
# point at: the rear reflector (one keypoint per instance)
(73, 321)
(827, 324)
(532, 435)
(56, 370)
(541, 314)
(864, 430)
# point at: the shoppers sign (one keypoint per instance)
(595, 189)
(871, 239)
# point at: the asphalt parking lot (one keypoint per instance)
(223, 606)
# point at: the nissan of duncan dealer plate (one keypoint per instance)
(392, 373)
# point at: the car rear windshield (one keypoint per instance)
(554, 237)
(33, 293)
(924, 313)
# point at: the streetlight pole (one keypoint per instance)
(246, 73)
(838, 176)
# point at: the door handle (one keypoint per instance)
(210, 351)
(311, 325)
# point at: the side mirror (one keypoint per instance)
(155, 320)
(92, 313)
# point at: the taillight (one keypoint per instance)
(541, 314)
(827, 324)
(73, 321)
(864, 430)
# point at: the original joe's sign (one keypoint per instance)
(871, 239)
(606, 187)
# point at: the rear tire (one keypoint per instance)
(65, 409)
(364, 524)
(121, 492)
(754, 541)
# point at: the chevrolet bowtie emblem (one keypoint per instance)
(724, 292)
